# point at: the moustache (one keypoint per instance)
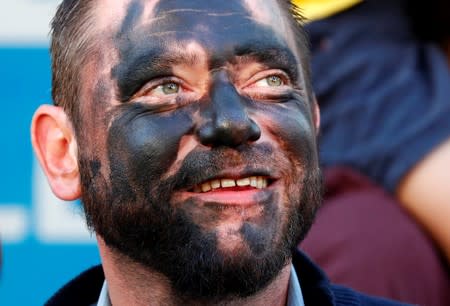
(247, 160)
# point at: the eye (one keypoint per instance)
(166, 93)
(271, 81)
(268, 85)
(168, 88)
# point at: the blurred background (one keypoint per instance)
(44, 241)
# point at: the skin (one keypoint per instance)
(425, 195)
(240, 108)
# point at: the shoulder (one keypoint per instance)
(82, 290)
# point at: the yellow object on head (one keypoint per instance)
(319, 9)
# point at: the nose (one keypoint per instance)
(228, 123)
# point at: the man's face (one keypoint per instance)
(198, 155)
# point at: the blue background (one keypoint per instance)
(32, 270)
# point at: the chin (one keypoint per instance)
(231, 243)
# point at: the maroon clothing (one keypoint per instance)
(363, 239)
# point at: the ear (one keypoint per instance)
(55, 145)
(316, 115)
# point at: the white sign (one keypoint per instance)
(51, 220)
(26, 22)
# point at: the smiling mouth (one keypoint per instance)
(228, 184)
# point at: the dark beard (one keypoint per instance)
(145, 226)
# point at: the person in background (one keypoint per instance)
(383, 89)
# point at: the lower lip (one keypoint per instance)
(226, 197)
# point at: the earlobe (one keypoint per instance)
(55, 145)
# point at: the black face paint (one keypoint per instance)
(135, 209)
(145, 53)
(227, 121)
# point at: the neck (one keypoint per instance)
(130, 283)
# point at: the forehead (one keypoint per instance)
(109, 11)
(145, 38)
(213, 19)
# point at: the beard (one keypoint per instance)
(148, 226)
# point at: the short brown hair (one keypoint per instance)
(70, 43)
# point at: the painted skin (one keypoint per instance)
(183, 96)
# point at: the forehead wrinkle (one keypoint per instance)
(148, 15)
(191, 10)
(152, 18)
(205, 12)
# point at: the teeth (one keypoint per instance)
(215, 184)
(254, 181)
(206, 187)
(227, 183)
(243, 182)
(258, 182)
(264, 183)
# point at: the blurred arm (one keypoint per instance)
(425, 194)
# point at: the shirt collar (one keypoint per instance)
(295, 297)
(103, 300)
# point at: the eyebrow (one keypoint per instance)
(159, 62)
(271, 55)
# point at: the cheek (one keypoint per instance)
(142, 146)
(292, 129)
